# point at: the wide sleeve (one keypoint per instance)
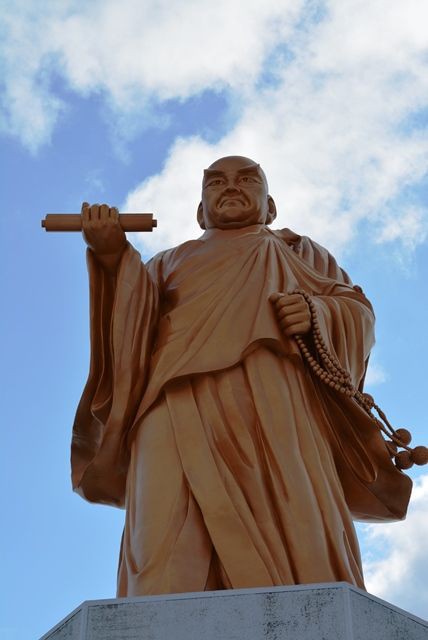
(345, 316)
(374, 488)
(123, 318)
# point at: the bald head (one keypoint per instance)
(235, 195)
(228, 162)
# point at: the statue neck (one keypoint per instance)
(218, 234)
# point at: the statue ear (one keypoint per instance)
(200, 216)
(271, 210)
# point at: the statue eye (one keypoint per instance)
(247, 179)
(215, 182)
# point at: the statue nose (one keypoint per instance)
(231, 189)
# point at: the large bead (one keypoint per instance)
(419, 455)
(403, 460)
(404, 436)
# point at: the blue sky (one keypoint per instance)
(127, 107)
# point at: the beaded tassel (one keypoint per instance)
(328, 369)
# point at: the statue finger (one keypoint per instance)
(283, 312)
(285, 323)
(298, 302)
(286, 308)
(86, 214)
(293, 318)
(290, 299)
(298, 328)
(274, 297)
(104, 212)
(94, 212)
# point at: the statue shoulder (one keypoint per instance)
(290, 237)
(181, 249)
(301, 244)
(161, 264)
(314, 254)
(304, 246)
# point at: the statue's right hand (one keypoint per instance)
(102, 231)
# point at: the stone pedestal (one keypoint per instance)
(335, 611)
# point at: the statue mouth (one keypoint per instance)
(232, 201)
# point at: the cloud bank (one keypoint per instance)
(333, 132)
(375, 372)
(397, 565)
(132, 53)
(330, 97)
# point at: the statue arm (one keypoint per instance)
(124, 316)
(347, 326)
(345, 316)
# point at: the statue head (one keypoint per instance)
(235, 195)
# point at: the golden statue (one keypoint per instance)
(236, 447)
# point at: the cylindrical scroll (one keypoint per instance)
(73, 222)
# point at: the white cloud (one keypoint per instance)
(173, 196)
(375, 373)
(330, 134)
(396, 563)
(331, 130)
(132, 52)
(409, 227)
(170, 49)
(28, 107)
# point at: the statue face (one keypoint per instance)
(234, 195)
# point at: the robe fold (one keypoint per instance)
(237, 467)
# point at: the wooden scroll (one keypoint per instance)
(73, 222)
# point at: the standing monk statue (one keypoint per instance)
(211, 413)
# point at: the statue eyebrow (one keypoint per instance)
(250, 168)
(210, 173)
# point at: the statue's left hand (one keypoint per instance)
(292, 312)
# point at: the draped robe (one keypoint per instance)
(236, 466)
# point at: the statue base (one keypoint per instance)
(334, 611)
